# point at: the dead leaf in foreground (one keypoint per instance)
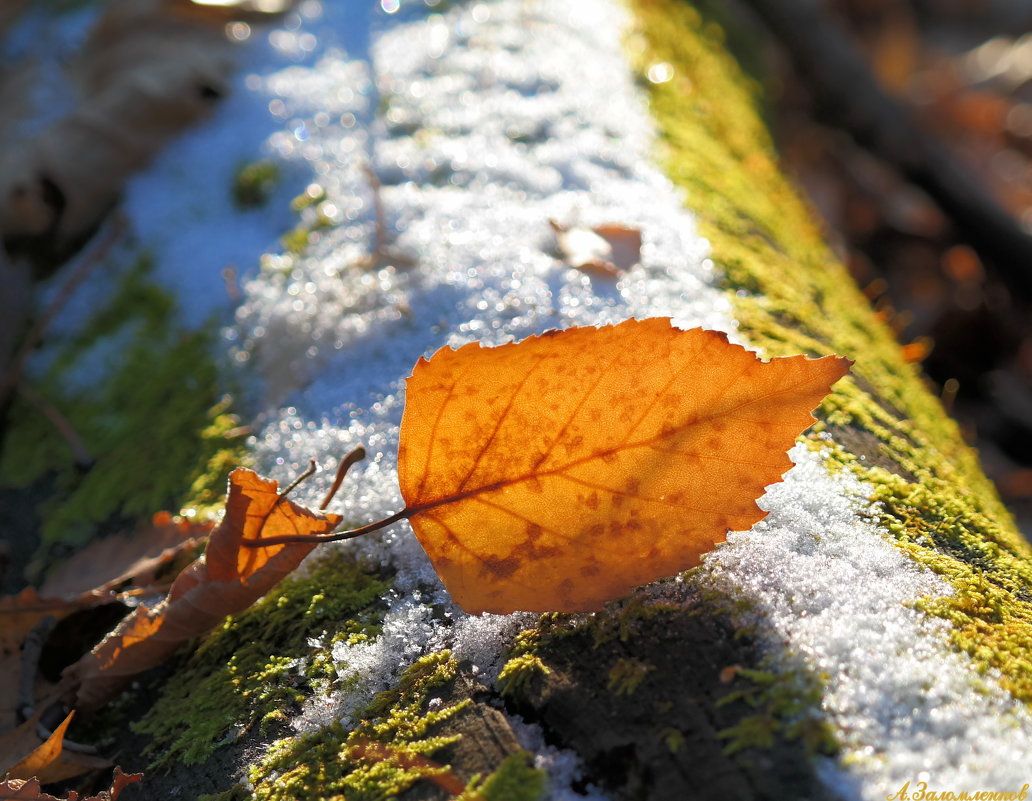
(560, 472)
(48, 760)
(29, 790)
(148, 70)
(20, 613)
(225, 581)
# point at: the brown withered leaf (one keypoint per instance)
(25, 755)
(225, 581)
(30, 790)
(42, 756)
(560, 472)
(20, 613)
(47, 760)
(610, 249)
(147, 71)
(108, 563)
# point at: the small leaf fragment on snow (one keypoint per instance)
(560, 472)
(610, 249)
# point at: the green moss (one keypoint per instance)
(672, 738)
(518, 672)
(254, 183)
(792, 296)
(141, 392)
(313, 220)
(251, 668)
(236, 793)
(523, 663)
(207, 491)
(385, 754)
(787, 703)
(515, 780)
(626, 674)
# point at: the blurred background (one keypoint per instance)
(924, 182)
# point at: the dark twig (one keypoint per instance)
(31, 650)
(293, 485)
(382, 251)
(80, 452)
(12, 377)
(342, 470)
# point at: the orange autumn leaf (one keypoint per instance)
(559, 473)
(25, 755)
(226, 580)
(43, 755)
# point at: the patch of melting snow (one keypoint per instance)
(484, 123)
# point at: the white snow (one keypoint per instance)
(483, 123)
(830, 594)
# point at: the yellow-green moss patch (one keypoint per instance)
(254, 183)
(792, 296)
(386, 753)
(253, 668)
(785, 704)
(515, 780)
(143, 393)
(626, 674)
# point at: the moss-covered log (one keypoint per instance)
(712, 685)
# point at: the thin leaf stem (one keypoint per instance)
(293, 484)
(356, 455)
(369, 528)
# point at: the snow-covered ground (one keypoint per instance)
(483, 123)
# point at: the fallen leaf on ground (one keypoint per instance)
(558, 473)
(107, 563)
(24, 754)
(610, 249)
(148, 70)
(225, 581)
(30, 790)
(20, 613)
(46, 760)
(39, 758)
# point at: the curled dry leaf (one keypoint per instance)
(30, 790)
(20, 613)
(560, 472)
(24, 755)
(42, 756)
(225, 581)
(108, 563)
(610, 249)
(21, 746)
